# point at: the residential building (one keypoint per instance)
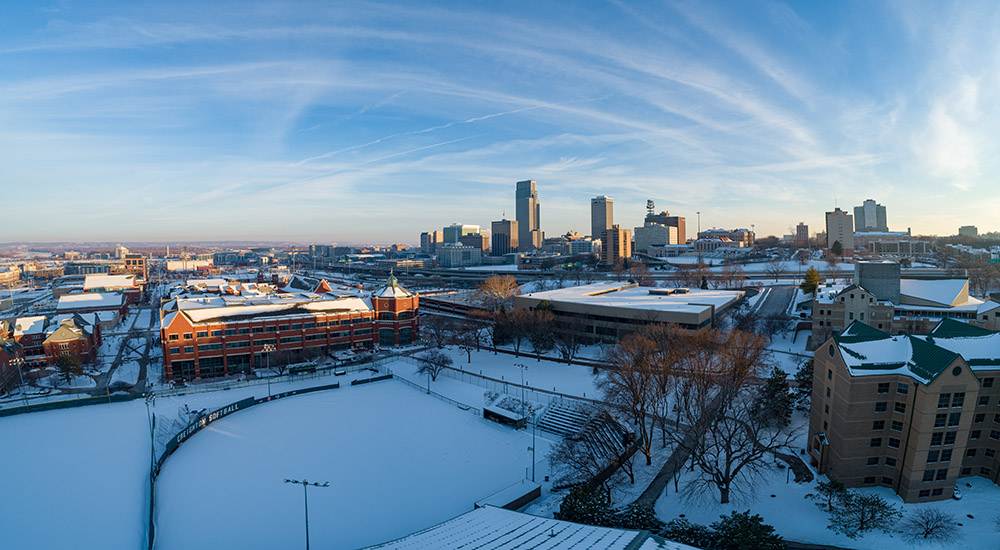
(840, 229)
(505, 235)
(602, 215)
(528, 210)
(616, 245)
(802, 235)
(907, 412)
(870, 216)
(207, 335)
(664, 218)
(29, 333)
(73, 336)
(608, 310)
(136, 265)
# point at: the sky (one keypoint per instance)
(357, 122)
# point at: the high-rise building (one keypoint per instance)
(664, 218)
(429, 240)
(870, 216)
(654, 234)
(968, 231)
(840, 228)
(504, 237)
(802, 234)
(455, 231)
(616, 245)
(601, 215)
(476, 240)
(529, 234)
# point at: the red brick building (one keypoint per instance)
(217, 335)
(75, 337)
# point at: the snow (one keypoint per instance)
(397, 462)
(108, 281)
(626, 295)
(127, 373)
(944, 292)
(30, 325)
(75, 477)
(144, 317)
(90, 300)
(59, 381)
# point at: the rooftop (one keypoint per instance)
(108, 281)
(630, 295)
(90, 300)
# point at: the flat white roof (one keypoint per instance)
(30, 325)
(87, 300)
(626, 295)
(205, 309)
(108, 281)
(945, 292)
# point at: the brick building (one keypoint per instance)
(912, 413)
(73, 336)
(216, 335)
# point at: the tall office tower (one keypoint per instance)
(602, 215)
(616, 245)
(802, 234)
(504, 237)
(529, 235)
(664, 218)
(429, 241)
(455, 231)
(840, 228)
(870, 216)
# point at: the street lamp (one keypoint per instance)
(18, 363)
(305, 495)
(151, 419)
(268, 348)
(521, 367)
(534, 418)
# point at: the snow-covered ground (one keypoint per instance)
(75, 478)
(126, 372)
(59, 381)
(397, 462)
(573, 380)
(144, 318)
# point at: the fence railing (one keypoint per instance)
(446, 399)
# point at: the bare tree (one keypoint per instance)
(466, 337)
(498, 291)
(433, 362)
(638, 272)
(628, 386)
(930, 525)
(584, 457)
(540, 331)
(568, 339)
(437, 330)
(514, 327)
(775, 268)
(619, 269)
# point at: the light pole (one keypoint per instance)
(268, 348)
(521, 367)
(699, 222)
(533, 424)
(151, 419)
(305, 495)
(18, 363)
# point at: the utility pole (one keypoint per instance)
(305, 495)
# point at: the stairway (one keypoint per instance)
(563, 420)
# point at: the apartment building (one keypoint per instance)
(911, 413)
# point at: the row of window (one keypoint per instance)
(262, 342)
(271, 328)
(877, 442)
(901, 388)
(898, 406)
(935, 475)
(924, 493)
(956, 400)
(889, 461)
(887, 481)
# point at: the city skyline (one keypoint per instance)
(373, 122)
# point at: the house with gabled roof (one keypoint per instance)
(910, 412)
(74, 336)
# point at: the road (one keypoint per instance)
(777, 300)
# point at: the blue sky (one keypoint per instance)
(370, 122)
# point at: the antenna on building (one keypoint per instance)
(650, 208)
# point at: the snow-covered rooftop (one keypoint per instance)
(627, 295)
(108, 281)
(90, 300)
(30, 325)
(209, 308)
(499, 529)
(946, 292)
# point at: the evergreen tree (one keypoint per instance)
(828, 494)
(637, 516)
(586, 505)
(837, 248)
(685, 532)
(811, 281)
(69, 366)
(704, 283)
(804, 382)
(860, 513)
(774, 400)
(741, 531)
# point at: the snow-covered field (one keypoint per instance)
(397, 461)
(126, 372)
(75, 478)
(59, 381)
(576, 380)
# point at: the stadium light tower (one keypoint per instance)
(305, 495)
(521, 367)
(268, 348)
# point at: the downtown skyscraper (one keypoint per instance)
(529, 234)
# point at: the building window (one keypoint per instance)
(883, 387)
(870, 480)
(928, 476)
(939, 420)
(966, 471)
(309, 325)
(188, 349)
(321, 324)
(946, 455)
(944, 400)
(828, 392)
(897, 426)
(889, 461)
(899, 407)
(202, 334)
(936, 439)
(949, 438)
(873, 461)
(187, 335)
(876, 442)
(985, 471)
(954, 419)
(893, 443)
(988, 382)
(958, 400)
(974, 434)
(829, 372)
(994, 434)
(172, 337)
(271, 328)
(216, 333)
(984, 401)
(826, 409)
(291, 339)
(941, 474)
(258, 329)
(880, 407)
(282, 327)
(887, 481)
(230, 332)
(243, 331)
(175, 350)
(978, 418)
(924, 493)
(969, 453)
(990, 453)
(902, 388)
(209, 347)
(937, 492)
(932, 456)
(878, 425)
(297, 326)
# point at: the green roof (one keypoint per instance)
(928, 359)
(950, 328)
(859, 331)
